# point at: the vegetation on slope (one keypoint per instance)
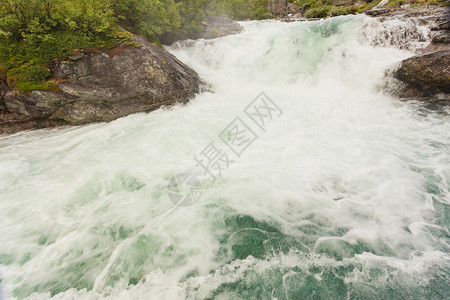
(331, 8)
(34, 34)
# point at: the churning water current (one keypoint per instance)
(344, 196)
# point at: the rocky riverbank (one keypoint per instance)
(427, 74)
(106, 85)
(424, 75)
(101, 87)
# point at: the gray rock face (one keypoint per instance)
(407, 11)
(3, 87)
(374, 12)
(101, 87)
(278, 8)
(425, 75)
(347, 2)
(213, 27)
(38, 104)
(217, 26)
(294, 9)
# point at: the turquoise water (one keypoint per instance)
(344, 196)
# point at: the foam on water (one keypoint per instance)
(345, 195)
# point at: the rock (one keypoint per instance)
(38, 104)
(442, 23)
(286, 11)
(213, 27)
(440, 29)
(278, 8)
(2, 106)
(77, 57)
(441, 37)
(434, 48)
(218, 26)
(378, 11)
(425, 75)
(3, 86)
(12, 123)
(294, 9)
(347, 2)
(64, 69)
(409, 12)
(106, 87)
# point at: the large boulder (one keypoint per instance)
(277, 8)
(213, 27)
(405, 11)
(106, 86)
(425, 75)
(375, 12)
(219, 26)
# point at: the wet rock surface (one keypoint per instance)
(102, 87)
(219, 26)
(213, 27)
(407, 11)
(278, 8)
(425, 75)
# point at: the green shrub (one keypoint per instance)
(33, 33)
(192, 13)
(29, 76)
(314, 3)
(150, 18)
(261, 13)
(37, 73)
(42, 86)
(330, 11)
(395, 2)
(239, 9)
(3, 70)
(319, 12)
(36, 33)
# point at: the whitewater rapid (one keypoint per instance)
(345, 195)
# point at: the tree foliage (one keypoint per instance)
(240, 9)
(33, 33)
(150, 18)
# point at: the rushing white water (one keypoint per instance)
(345, 196)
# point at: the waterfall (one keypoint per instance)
(342, 191)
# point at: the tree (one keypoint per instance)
(150, 18)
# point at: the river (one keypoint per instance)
(324, 186)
